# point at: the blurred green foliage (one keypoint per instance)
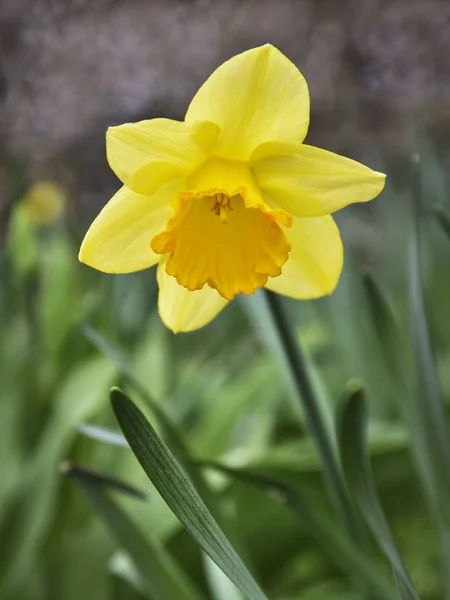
(68, 333)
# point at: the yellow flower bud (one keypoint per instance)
(45, 202)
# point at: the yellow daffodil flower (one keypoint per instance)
(230, 199)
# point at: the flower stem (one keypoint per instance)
(314, 418)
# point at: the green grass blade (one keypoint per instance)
(272, 311)
(121, 566)
(164, 580)
(170, 429)
(320, 526)
(219, 585)
(358, 473)
(102, 434)
(395, 356)
(180, 495)
(385, 326)
(429, 400)
(443, 218)
(101, 480)
(41, 477)
(432, 410)
(105, 348)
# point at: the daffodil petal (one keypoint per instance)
(118, 241)
(182, 310)
(255, 97)
(315, 261)
(148, 154)
(308, 181)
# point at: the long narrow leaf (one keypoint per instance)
(170, 429)
(385, 325)
(164, 580)
(358, 473)
(102, 434)
(443, 218)
(331, 538)
(128, 578)
(179, 493)
(105, 348)
(283, 341)
(220, 586)
(394, 352)
(428, 402)
(428, 399)
(101, 480)
(37, 511)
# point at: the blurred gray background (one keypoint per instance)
(376, 70)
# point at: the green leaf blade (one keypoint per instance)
(319, 524)
(358, 473)
(163, 579)
(102, 434)
(107, 350)
(179, 493)
(443, 218)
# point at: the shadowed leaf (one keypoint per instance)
(163, 578)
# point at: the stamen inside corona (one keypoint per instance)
(234, 259)
(221, 204)
(238, 258)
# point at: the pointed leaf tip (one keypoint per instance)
(117, 396)
(358, 473)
